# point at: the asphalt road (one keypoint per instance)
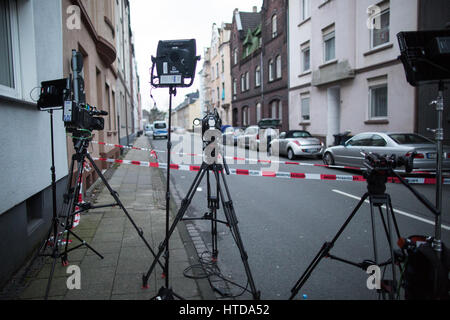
(284, 222)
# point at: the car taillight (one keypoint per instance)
(297, 143)
(416, 156)
(448, 155)
(257, 137)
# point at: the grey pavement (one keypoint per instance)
(126, 258)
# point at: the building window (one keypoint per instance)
(329, 46)
(242, 83)
(223, 91)
(274, 26)
(380, 33)
(305, 9)
(234, 86)
(235, 56)
(276, 110)
(305, 113)
(278, 66)
(9, 75)
(258, 112)
(223, 65)
(306, 58)
(247, 81)
(245, 116)
(378, 101)
(271, 73)
(217, 70)
(258, 76)
(218, 94)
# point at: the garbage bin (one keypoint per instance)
(341, 138)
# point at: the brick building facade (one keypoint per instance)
(259, 67)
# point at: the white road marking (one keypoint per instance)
(396, 211)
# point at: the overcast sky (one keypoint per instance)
(154, 20)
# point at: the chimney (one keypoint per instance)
(255, 9)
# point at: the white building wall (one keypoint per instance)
(25, 132)
(353, 46)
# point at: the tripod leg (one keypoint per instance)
(116, 198)
(323, 252)
(374, 234)
(49, 283)
(232, 220)
(181, 212)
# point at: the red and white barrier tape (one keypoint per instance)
(153, 153)
(271, 174)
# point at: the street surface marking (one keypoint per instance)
(395, 210)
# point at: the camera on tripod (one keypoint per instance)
(380, 167)
(68, 94)
(211, 121)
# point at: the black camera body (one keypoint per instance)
(68, 94)
(211, 121)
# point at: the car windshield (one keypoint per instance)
(160, 125)
(301, 134)
(409, 139)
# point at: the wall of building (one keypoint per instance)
(339, 90)
(25, 139)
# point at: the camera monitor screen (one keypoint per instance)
(52, 95)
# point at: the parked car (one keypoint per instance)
(231, 135)
(296, 143)
(160, 129)
(266, 131)
(400, 144)
(148, 130)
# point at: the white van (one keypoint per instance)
(160, 129)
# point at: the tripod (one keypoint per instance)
(377, 199)
(66, 218)
(230, 215)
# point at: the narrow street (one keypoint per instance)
(284, 223)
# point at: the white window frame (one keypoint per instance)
(258, 112)
(16, 91)
(258, 76)
(274, 26)
(326, 37)
(271, 73)
(371, 90)
(306, 9)
(278, 72)
(303, 97)
(247, 81)
(383, 11)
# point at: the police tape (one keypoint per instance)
(271, 174)
(153, 153)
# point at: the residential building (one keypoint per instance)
(38, 37)
(206, 80)
(185, 113)
(95, 39)
(345, 74)
(220, 71)
(259, 65)
(33, 55)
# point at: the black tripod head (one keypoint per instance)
(380, 168)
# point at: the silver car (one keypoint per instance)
(296, 143)
(400, 144)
